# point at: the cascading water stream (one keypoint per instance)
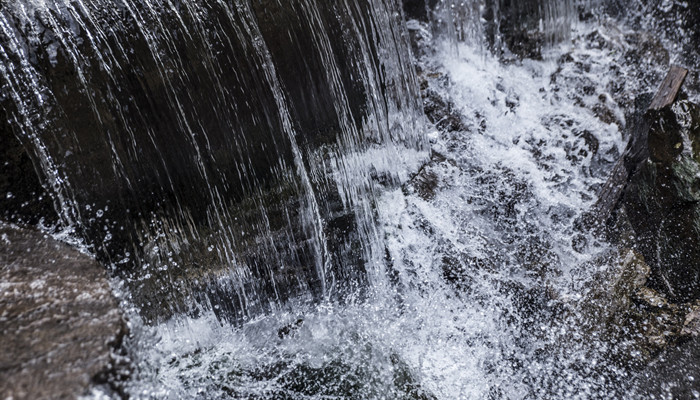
(476, 244)
(224, 158)
(281, 220)
(467, 259)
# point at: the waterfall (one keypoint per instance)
(282, 220)
(523, 27)
(216, 154)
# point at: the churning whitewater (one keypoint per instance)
(483, 289)
(282, 217)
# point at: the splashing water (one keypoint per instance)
(480, 294)
(275, 224)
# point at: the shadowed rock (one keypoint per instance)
(662, 202)
(58, 319)
(674, 375)
(22, 197)
(653, 192)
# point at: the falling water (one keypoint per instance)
(503, 23)
(283, 223)
(199, 155)
(483, 294)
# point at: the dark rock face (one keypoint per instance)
(195, 137)
(673, 375)
(58, 318)
(637, 319)
(677, 23)
(22, 197)
(518, 24)
(418, 9)
(662, 200)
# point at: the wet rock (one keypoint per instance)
(59, 320)
(418, 9)
(645, 50)
(517, 25)
(675, 374)
(605, 114)
(441, 112)
(524, 43)
(424, 183)
(434, 81)
(662, 200)
(639, 321)
(533, 306)
(674, 22)
(290, 329)
(365, 372)
(691, 325)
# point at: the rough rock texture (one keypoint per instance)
(639, 321)
(662, 200)
(58, 319)
(673, 375)
(651, 311)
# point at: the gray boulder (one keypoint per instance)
(59, 321)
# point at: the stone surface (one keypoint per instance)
(59, 321)
(661, 200)
(673, 375)
(638, 321)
